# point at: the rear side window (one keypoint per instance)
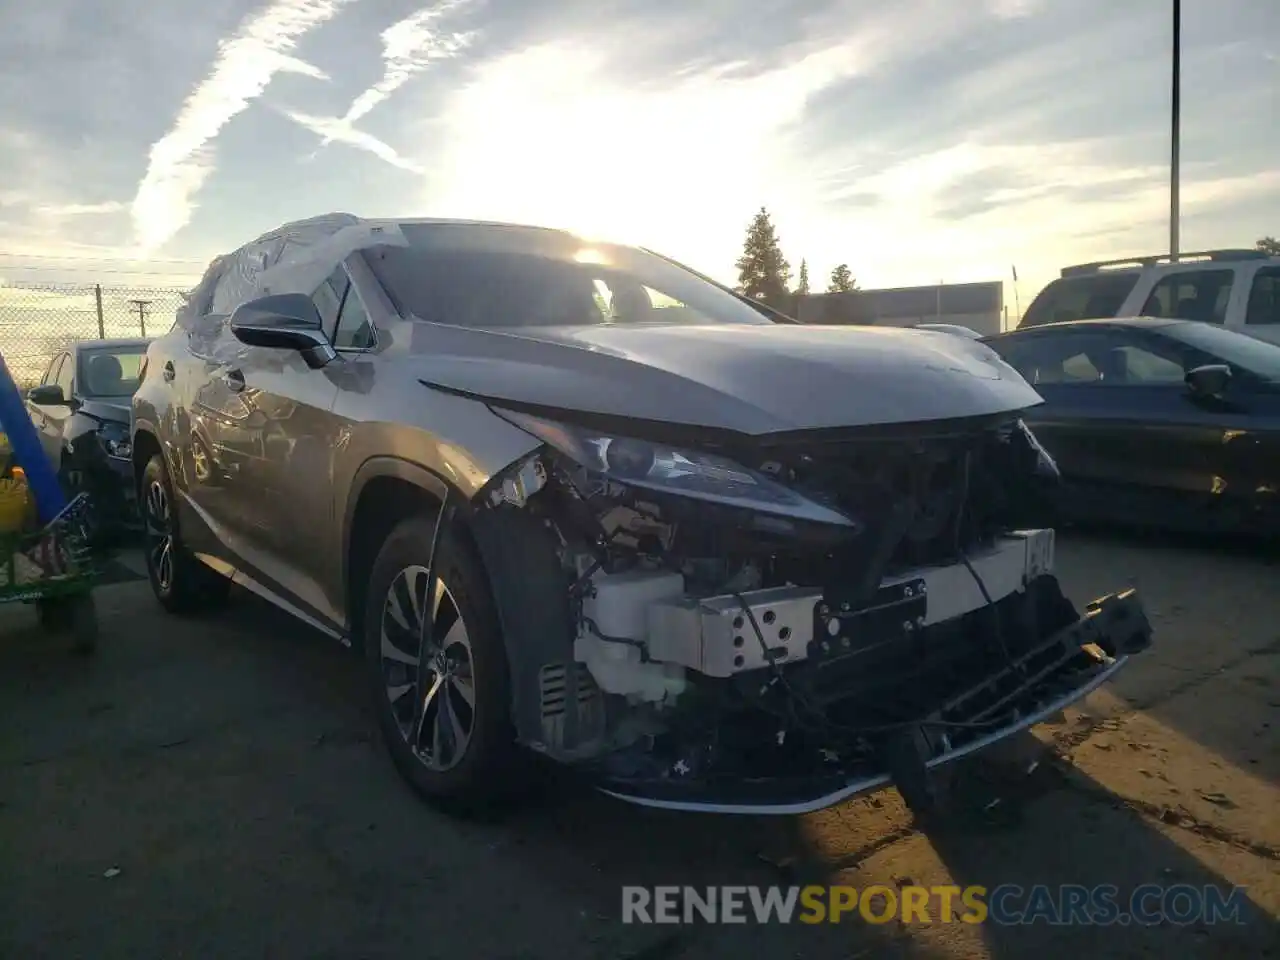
(1264, 298)
(342, 313)
(354, 331)
(1191, 295)
(328, 300)
(1043, 359)
(1095, 297)
(1110, 357)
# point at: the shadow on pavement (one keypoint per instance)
(1212, 679)
(232, 769)
(1053, 827)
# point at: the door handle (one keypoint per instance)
(168, 372)
(234, 380)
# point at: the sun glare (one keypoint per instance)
(591, 255)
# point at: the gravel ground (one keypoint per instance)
(215, 789)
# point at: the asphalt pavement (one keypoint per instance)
(215, 788)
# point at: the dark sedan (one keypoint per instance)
(1167, 423)
(81, 411)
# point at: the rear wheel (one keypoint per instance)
(179, 581)
(439, 670)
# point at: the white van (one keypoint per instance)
(1237, 289)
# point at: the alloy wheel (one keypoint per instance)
(427, 668)
(200, 459)
(159, 534)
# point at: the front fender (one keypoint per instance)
(347, 499)
(79, 440)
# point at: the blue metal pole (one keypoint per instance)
(28, 453)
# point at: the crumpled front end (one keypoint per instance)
(883, 693)
(776, 626)
(97, 461)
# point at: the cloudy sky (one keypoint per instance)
(919, 140)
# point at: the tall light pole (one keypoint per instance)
(1175, 130)
(142, 314)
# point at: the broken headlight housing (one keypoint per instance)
(115, 441)
(673, 470)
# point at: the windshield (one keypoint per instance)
(110, 372)
(495, 276)
(1258, 357)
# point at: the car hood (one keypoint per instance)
(743, 378)
(116, 411)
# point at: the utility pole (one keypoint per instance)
(1017, 302)
(142, 314)
(97, 301)
(1175, 130)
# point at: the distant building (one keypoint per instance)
(979, 306)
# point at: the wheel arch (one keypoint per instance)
(145, 446)
(519, 557)
(383, 492)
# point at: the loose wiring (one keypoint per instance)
(973, 572)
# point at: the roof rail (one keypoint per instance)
(1244, 253)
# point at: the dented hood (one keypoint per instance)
(744, 378)
(116, 411)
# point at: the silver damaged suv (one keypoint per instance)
(573, 499)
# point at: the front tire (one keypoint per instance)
(447, 724)
(179, 581)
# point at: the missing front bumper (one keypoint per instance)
(1037, 683)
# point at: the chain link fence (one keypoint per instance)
(39, 319)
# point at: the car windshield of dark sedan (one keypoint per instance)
(109, 372)
(1258, 357)
(485, 276)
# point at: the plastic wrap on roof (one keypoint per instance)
(294, 258)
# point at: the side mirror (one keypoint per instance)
(284, 321)
(48, 395)
(1209, 381)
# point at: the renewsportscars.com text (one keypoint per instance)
(1005, 905)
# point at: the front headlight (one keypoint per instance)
(116, 442)
(667, 469)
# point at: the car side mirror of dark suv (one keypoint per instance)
(48, 395)
(1209, 381)
(284, 321)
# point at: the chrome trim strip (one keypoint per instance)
(253, 586)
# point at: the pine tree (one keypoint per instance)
(842, 280)
(803, 288)
(763, 272)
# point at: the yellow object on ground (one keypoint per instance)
(16, 505)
